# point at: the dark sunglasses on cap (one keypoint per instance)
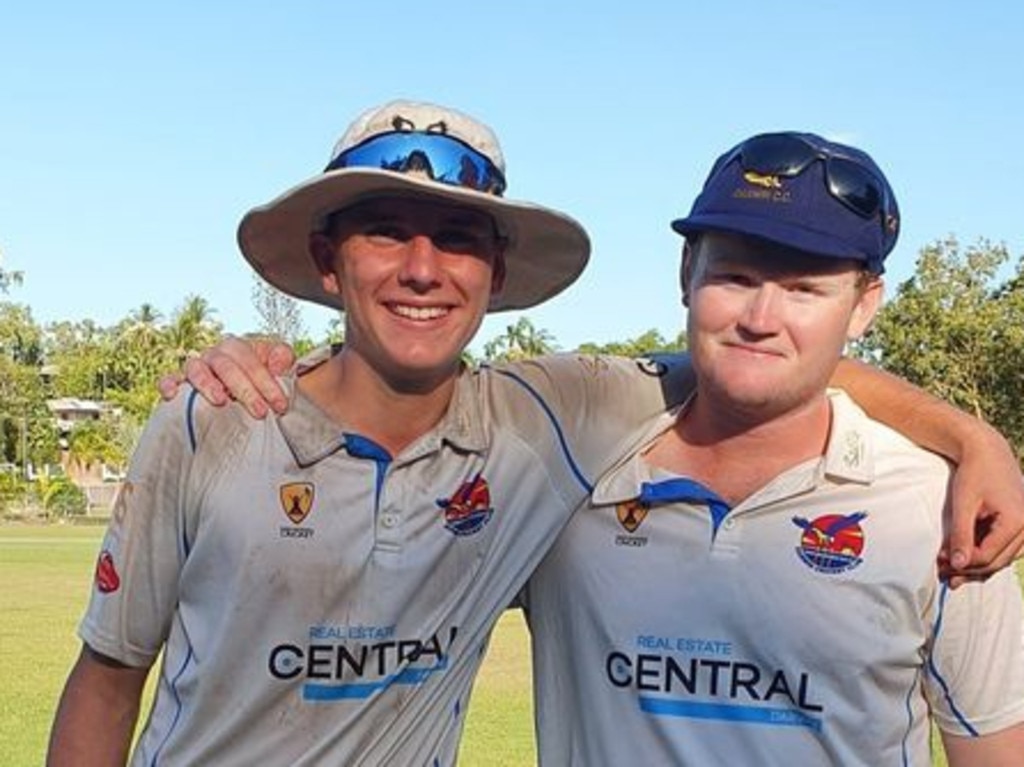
(848, 180)
(442, 158)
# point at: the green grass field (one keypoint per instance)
(46, 573)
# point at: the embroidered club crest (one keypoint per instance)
(761, 179)
(297, 500)
(469, 509)
(831, 543)
(631, 514)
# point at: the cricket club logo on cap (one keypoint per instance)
(831, 543)
(296, 500)
(469, 508)
(766, 187)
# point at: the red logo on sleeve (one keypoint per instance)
(107, 579)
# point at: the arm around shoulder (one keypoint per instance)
(97, 712)
(987, 532)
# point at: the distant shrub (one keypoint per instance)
(12, 491)
(61, 497)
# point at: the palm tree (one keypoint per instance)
(192, 328)
(520, 341)
(137, 354)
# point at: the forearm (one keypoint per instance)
(1004, 748)
(927, 420)
(987, 529)
(97, 713)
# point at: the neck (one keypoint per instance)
(392, 412)
(735, 453)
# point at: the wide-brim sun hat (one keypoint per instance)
(545, 252)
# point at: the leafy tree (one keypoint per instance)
(21, 339)
(192, 328)
(336, 330)
(12, 490)
(650, 342)
(280, 316)
(78, 358)
(138, 356)
(95, 442)
(955, 330)
(8, 278)
(26, 433)
(520, 341)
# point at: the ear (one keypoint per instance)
(686, 273)
(321, 249)
(866, 308)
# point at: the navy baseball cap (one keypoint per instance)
(801, 191)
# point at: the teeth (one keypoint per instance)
(419, 312)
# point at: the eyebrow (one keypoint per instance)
(481, 220)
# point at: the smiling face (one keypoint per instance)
(416, 278)
(767, 324)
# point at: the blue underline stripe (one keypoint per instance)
(781, 717)
(407, 676)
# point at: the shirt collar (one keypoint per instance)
(848, 454)
(312, 435)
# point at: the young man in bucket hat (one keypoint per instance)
(792, 612)
(589, 404)
(322, 586)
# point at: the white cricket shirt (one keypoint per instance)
(319, 602)
(805, 626)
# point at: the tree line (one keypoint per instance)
(956, 328)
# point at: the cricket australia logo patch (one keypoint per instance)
(469, 508)
(631, 514)
(297, 500)
(831, 543)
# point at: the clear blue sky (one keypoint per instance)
(134, 135)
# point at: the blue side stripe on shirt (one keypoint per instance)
(193, 441)
(190, 418)
(905, 743)
(173, 685)
(779, 717)
(407, 676)
(555, 425)
(934, 670)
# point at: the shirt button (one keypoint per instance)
(729, 524)
(389, 520)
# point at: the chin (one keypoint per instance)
(424, 372)
(751, 393)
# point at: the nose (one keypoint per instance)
(420, 267)
(762, 313)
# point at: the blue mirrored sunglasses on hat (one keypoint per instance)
(443, 158)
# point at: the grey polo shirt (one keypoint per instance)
(318, 601)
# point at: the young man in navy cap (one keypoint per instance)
(756, 583)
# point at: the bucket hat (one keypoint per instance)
(409, 148)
